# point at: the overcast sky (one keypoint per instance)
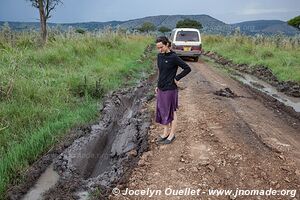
(229, 11)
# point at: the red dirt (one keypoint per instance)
(222, 143)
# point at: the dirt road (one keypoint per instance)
(222, 143)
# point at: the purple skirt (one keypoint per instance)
(166, 105)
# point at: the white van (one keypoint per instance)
(186, 42)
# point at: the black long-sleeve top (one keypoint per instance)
(167, 65)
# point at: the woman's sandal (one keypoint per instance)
(161, 139)
(167, 141)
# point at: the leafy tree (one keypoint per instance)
(79, 30)
(45, 8)
(163, 29)
(295, 22)
(188, 23)
(147, 27)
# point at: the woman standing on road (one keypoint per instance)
(167, 90)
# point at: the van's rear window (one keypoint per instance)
(187, 36)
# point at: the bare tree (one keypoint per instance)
(45, 7)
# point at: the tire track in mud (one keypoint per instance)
(103, 157)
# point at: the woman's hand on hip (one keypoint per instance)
(156, 89)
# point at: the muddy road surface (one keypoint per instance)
(228, 139)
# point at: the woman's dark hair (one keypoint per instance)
(164, 40)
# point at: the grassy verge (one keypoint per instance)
(44, 92)
(280, 54)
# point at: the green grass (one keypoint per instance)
(277, 54)
(53, 89)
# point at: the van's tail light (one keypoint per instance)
(176, 47)
(197, 48)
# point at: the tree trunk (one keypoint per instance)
(43, 22)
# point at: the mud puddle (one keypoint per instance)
(290, 88)
(47, 180)
(104, 157)
(268, 89)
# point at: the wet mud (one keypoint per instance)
(290, 88)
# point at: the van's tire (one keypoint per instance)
(196, 59)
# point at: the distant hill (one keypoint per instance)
(210, 25)
(93, 25)
(268, 27)
(22, 25)
(84, 25)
